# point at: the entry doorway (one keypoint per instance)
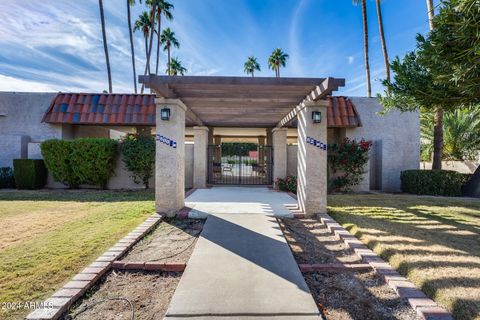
(240, 164)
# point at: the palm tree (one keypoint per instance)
(438, 124)
(152, 30)
(163, 8)
(382, 39)
(105, 47)
(143, 23)
(251, 65)
(277, 59)
(132, 49)
(462, 134)
(176, 67)
(365, 37)
(168, 39)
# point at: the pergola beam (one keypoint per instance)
(318, 93)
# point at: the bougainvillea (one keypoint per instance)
(347, 161)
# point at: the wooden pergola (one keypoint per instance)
(241, 101)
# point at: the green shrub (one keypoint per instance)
(80, 161)
(138, 153)
(57, 156)
(93, 160)
(433, 182)
(347, 160)
(29, 173)
(288, 184)
(7, 179)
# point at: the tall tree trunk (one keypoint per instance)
(431, 13)
(253, 76)
(438, 127)
(382, 39)
(146, 55)
(169, 62)
(152, 31)
(438, 140)
(105, 47)
(365, 36)
(132, 49)
(159, 29)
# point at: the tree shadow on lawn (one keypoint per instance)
(452, 264)
(78, 195)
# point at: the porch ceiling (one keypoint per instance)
(236, 101)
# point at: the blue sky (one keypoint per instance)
(57, 45)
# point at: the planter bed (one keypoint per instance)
(339, 293)
(171, 242)
(148, 292)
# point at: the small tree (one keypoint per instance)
(138, 153)
(442, 74)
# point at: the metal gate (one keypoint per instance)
(241, 168)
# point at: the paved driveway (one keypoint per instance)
(259, 200)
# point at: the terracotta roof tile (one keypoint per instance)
(137, 109)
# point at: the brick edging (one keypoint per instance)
(424, 306)
(66, 296)
(149, 266)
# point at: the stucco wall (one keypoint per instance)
(292, 160)
(399, 134)
(21, 114)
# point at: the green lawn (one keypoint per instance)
(48, 236)
(434, 241)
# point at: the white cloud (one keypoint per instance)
(351, 59)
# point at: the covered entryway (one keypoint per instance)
(239, 164)
(207, 103)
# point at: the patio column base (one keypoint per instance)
(312, 159)
(170, 157)
(200, 157)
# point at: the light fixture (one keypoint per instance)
(316, 116)
(165, 114)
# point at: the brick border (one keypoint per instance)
(149, 266)
(66, 296)
(334, 267)
(424, 306)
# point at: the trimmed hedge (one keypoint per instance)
(288, 184)
(139, 156)
(29, 173)
(433, 182)
(80, 161)
(57, 156)
(7, 180)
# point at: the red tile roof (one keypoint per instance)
(139, 109)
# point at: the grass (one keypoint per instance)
(434, 241)
(48, 236)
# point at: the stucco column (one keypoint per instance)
(279, 140)
(312, 160)
(200, 136)
(170, 157)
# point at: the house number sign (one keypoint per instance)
(167, 141)
(316, 143)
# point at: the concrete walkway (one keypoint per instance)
(239, 200)
(242, 268)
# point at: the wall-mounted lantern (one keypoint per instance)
(165, 114)
(316, 116)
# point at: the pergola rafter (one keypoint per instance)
(319, 92)
(239, 101)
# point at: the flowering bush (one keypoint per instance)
(347, 160)
(287, 184)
